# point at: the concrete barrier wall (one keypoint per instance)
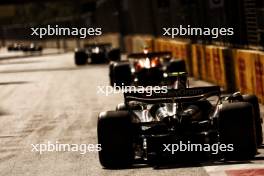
(249, 71)
(180, 50)
(136, 43)
(244, 69)
(198, 61)
(232, 69)
(261, 82)
(219, 66)
(258, 76)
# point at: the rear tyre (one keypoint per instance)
(176, 66)
(114, 55)
(236, 127)
(39, 48)
(80, 58)
(10, 48)
(114, 131)
(120, 74)
(254, 101)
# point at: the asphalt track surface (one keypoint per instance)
(48, 98)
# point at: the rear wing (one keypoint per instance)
(149, 55)
(100, 45)
(172, 95)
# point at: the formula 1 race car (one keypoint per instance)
(15, 47)
(32, 48)
(182, 125)
(25, 48)
(144, 69)
(96, 53)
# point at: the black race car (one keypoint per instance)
(144, 69)
(25, 48)
(153, 129)
(15, 47)
(32, 48)
(96, 53)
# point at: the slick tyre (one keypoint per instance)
(176, 66)
(236, 127)
(10, 48)
(258, 128)
(121, 74)
(114, 55)
(114, 130)
(80, 58)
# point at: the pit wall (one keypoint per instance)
(232, 69)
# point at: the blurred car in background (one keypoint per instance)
(15, 47)
(32, 47)
(96, 53)
(26, 48)
(145, 69)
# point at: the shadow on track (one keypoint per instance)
(13, 82)
(3, 112)
(185, 164)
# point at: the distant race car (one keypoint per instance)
(26, 48)
(96, 53)
(153, 129)
(32, 48)
(148, 68)
(15, 47)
